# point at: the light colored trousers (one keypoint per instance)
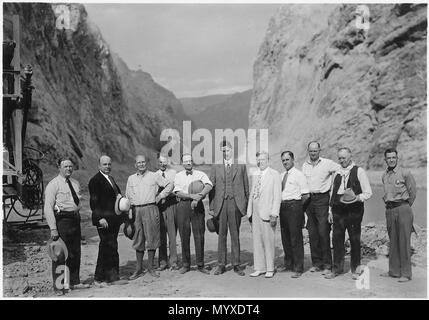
(263, 242)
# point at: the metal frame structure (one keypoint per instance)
(22, 177)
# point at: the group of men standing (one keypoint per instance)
(161, 203)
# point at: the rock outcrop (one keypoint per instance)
(86, 101)
(319, 76)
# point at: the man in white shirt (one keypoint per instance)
(318, 172)
(349, 191)
(168, 225)
(294, 193)
(190, 212)
(263, 211)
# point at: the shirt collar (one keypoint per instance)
(142, 174)
(105, 175)
(318, 161)
(226, 162)
(343, 171)
(394, 170)
(262, 172)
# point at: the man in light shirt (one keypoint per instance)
(142, 188)
(347, 213)
(168, 219)
(263, 211)
(294, 194)
(190, 212)
(62, 204)
(318, 172)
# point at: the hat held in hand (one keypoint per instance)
(348, 197)
(57, 250)
(213, 225)
(122, 204)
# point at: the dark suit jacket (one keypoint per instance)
(240, 185)
(102, 200)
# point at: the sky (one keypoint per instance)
(191, 49)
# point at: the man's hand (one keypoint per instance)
(194, 204)
(103, 223)
(211, 212)
(330, 216)
(54, 235)
(196, 197)
(273, 221)
(118, 196)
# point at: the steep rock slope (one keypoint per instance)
(86, 102)
(318, 76)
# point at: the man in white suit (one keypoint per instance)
(263, 211)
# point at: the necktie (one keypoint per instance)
(113, 185)
(257, 187)
(73, 192)
(188, 173)
(163, 174)
(284, 180)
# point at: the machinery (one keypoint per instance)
(22, 176)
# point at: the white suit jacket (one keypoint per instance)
(270, 195)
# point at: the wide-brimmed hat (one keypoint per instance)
(122, 204)
(195, 187)
(348, 197)
(57, 250)
(129, 229)
(213, 225)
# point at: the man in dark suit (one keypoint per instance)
(103, 192)
(228, 202)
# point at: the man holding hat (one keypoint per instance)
(228, 201)
(104, 193)
(190, 212)
(399, 195)
(142, 188)
(62, 204)
(346, 207)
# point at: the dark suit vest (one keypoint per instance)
(353, 183)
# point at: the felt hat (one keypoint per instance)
(348, 197)
(57, 250)
(129, 229)
(122, 204)
(195, 187)
(213, 225)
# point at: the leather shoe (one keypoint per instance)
(296, 275)
(283, 269)
(153, 273)
(269, 274)
(238, 271)
(326, 272)
(315, 269)
(135, 275)
(387, 274)
(118, 282)
(184, 270)
(100, 284)
(404, 279)
(174, 267)
(331, 275)
(256, 273)
(219, 270)
(202, 270)
(79, 286)
(162, 267)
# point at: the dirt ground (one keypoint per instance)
(27, 273)
(27, 267)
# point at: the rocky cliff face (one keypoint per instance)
(318, 76)
(86, 101)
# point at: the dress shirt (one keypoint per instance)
(143, 188)
(399, 184)
(227, 162)
(182, 180)
(107, 178)
(296, 185)
(58, 195)
(319, 176)
(363, 180)
(170, 174)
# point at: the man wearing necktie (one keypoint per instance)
(263, 211)
(228, 202)
(103, 192)
(62, 204)
(294, 193)
(191, 213)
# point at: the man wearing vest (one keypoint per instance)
(399, 195)
(346, 207)
(228, 201)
